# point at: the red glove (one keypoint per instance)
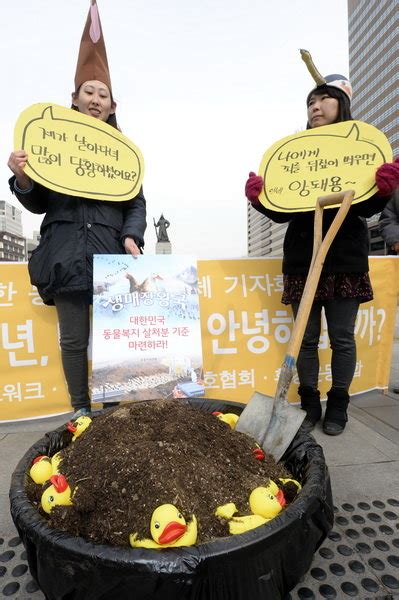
(387, 177)
(253, 188)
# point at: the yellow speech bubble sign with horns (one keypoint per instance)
(299, 168)
(76, 154)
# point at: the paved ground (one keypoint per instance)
(361, 556)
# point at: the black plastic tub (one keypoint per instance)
(265, 563)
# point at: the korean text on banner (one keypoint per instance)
(245, 329)
(31, 379)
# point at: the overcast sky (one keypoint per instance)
(203, 89)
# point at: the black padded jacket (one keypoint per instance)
(348, 252)
(74, 229)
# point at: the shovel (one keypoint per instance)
(273, 423)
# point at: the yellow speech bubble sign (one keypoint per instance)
(299, 168)
(76, 154)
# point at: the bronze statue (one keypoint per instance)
(162, 234)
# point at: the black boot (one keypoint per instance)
(310, 402)
(336, 416)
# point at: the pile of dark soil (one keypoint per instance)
(133, 458)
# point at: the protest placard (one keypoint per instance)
(301, 167)
(146, 327)
(76, 154)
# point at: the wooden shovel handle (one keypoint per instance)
(343, 198)
(338, 198)
(320, 249)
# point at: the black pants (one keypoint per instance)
(74, 321)
(341, 318)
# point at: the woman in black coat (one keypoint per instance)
(73, 228)
(344, 282)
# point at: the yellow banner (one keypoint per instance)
(244, 329)
(31, 378)
(301, 167)
(76, 154)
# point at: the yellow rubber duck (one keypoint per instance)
(55, 463)
(226, 511)
(58, 494)
(243, 524)
(41, 470)
(266, 501)
(168, 530)
(78, 427)
(229, 418)
(239, 524)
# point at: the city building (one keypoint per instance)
(373, 67)
(12, 242)
(10, 218)
(32, 243)
(265, 238)
(12, 247)
(377, 244)
(373, 64)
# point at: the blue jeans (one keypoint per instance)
(341, 318)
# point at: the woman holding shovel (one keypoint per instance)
(344, 282)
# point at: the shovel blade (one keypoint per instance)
(255, 418)
(284, 424)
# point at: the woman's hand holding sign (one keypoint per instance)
(131, 246)
(253, 188)
(16, 163)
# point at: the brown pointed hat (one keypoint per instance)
(92, 60)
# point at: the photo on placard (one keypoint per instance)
(146, 328)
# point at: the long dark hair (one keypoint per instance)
(344, 111)
(111, 119)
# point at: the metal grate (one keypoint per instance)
(15, 578)
(359, 559)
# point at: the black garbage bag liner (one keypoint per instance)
(264, 563)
